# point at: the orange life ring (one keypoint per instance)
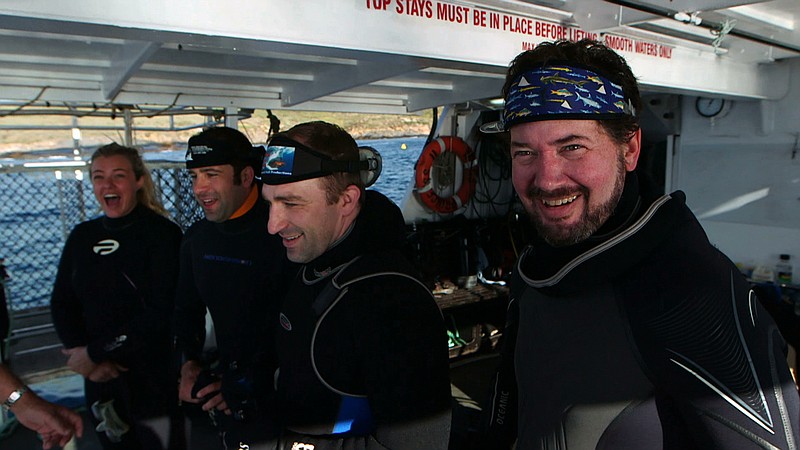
(424, 185)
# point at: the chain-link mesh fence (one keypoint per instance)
(39, 208)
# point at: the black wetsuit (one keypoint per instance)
(364, 367)
(239, 271)
(114, 293)
(645, 336)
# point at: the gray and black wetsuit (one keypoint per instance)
(363, 347)
(645, 337)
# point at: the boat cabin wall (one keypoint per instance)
(741, 173)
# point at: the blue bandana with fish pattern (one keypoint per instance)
(562, 92)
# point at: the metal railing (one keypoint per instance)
(39, 207)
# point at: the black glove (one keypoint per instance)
(205, 378)
(238, 390)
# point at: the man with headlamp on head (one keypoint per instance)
(361, 342)
(232, 267)
(627, 329)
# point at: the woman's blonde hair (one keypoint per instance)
(145, 196)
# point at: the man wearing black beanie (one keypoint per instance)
(232, 267)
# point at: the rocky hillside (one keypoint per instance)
(22, 143)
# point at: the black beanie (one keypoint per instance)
(222, 145)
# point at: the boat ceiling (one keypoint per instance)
(373, 56)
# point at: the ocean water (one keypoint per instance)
(398, 165)
(37, 212)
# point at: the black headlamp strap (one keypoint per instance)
(330, 166)
(288, 160)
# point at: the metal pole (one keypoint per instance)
(61, 205)
(81, 201)
(231, 117)
(128, 127)
(76, 138)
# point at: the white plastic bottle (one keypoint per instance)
(784, 269)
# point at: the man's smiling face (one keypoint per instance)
(569, 175)
(301, 215)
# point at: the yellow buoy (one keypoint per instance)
(403, 146)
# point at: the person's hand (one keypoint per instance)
(190, 370)
(215, 402)
(78, 360)
(106, 371)
(55, 423)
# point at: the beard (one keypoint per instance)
(591, 220)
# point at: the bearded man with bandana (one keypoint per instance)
(627, 329)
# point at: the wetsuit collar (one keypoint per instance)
(251, 199)
(125, 221)
(626, 211)
(379, 225)
(642, 220)
(334, 257)
(251, 210)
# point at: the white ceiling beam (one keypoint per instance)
(125, 64)
(31, 78)
(210, 71)
(463, 91)
(62, 61)
(340, 78)
(783, 21)
(601, 16)
(52, 94)
(213, 83)
(698, 5)
(606, 16)
(336, 106)
(322, 104)
(178, 91)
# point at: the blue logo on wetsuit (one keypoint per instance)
(228, 259)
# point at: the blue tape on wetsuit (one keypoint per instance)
(355, 416)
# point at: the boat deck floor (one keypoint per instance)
(470, 379)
